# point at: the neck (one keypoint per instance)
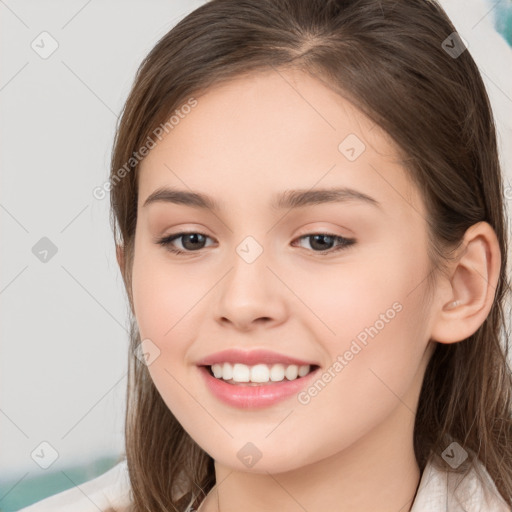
(379, 473)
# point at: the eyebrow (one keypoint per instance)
(289, 199)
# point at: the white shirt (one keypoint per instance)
(438, 491)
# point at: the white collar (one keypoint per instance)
(448, 491)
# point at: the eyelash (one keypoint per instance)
(344, 242)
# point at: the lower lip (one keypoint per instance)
(248, 397)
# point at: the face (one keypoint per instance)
(339, 282)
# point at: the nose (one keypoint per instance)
(250, 295)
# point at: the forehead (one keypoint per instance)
(272, 131)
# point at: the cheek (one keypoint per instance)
(345, 299)
(167, 304)
(372, 371)
(162, 295)
(371, 318)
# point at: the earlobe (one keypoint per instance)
(466, 302)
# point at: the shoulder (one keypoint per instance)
(111, 490)
(471, 491)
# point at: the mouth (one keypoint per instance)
(239, 374)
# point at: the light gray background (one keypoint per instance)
(64, 337)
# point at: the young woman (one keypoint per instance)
(308, 211)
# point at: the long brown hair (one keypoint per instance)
(391, 60)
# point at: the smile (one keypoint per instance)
(253, 395)
(259, 373)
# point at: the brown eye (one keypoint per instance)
(190, 242)
(324, 242)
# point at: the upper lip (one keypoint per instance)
(250, 358)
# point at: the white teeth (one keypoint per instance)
(303, 370)
(241, 372)
(226, 370)
(291, 372)
(260, 373)
(217, 371)
(277, 373)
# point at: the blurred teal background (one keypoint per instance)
(503, 19)
(35, 488)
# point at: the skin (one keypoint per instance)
(351, 447)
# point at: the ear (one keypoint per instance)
(465, 302)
